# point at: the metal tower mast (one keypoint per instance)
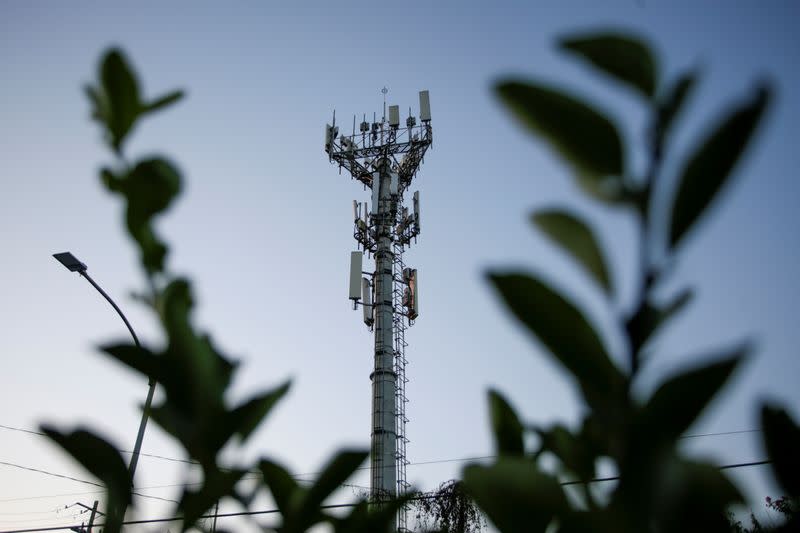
(385, 157)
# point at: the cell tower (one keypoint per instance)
(385, 158)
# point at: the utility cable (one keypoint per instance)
(332, 506)
(78, 480)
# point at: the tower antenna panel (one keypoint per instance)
(386, 158)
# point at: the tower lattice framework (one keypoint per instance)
(385, 158)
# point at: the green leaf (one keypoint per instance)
(149, 190)
(99, 103)
(566, 333)
(217, 484)
(281, 484)
(671, 103)
(104, 462)
(249, 415)
(678, 402)
(710, 166)
(573, 451)
(336, 472)
(577, 239)
(586, 139)
(782, 441)
(515, 494)
(137, 358)
(506, 426)
(164, 101)
(622, 56)
(649, 318)
(693, 496)
(122, 92)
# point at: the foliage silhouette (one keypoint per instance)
(193, 373)
(659, 489)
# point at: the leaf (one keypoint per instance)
(164, 101)
(104, 462)
(710, 166)
(217, 484)
(505, 425)
(577, 239)
(586, 139)
(649, 318)
(622, 56)
(671, 103)
(573, 451)
(679, 401)
(693, 496)
(564, 331)
(122, 92)
(336, 472)
(249, 415)
(148, 189)
(281, 484)
(137, 358)
(782, 441)
(515, 494)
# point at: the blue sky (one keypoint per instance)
(265, 227)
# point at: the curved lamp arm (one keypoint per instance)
(74, 265)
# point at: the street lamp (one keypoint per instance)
(74, 265)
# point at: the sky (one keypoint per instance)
(264, 226)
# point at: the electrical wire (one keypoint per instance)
(78, 480)
(435, 461)
(331, 506)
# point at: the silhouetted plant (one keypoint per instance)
(659, 488)
(192, 372)
(448, 509)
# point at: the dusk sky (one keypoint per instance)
(264, 227)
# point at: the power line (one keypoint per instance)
(337, 506)
(78, 480)
(417, 463)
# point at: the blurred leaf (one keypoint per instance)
(149, 190)
(619, 55)
(515, 494)
(122, 92)
(205, 372)
(694, 497)
(710, 166)
(782, 441)
(679, 401)
(671, 103)
(649, 318)
(336, 472)
(140, 359)
(566, 333)
(505, 425)
(249, 415)
(281, 484)
(573, 451)
(217, 484)
(164, 101)
(104, 462)
(577, 239)
(581, 135)
(99, 103)
(597, 521)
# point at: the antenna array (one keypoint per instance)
(385, 157)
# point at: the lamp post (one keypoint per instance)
(74, 265)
